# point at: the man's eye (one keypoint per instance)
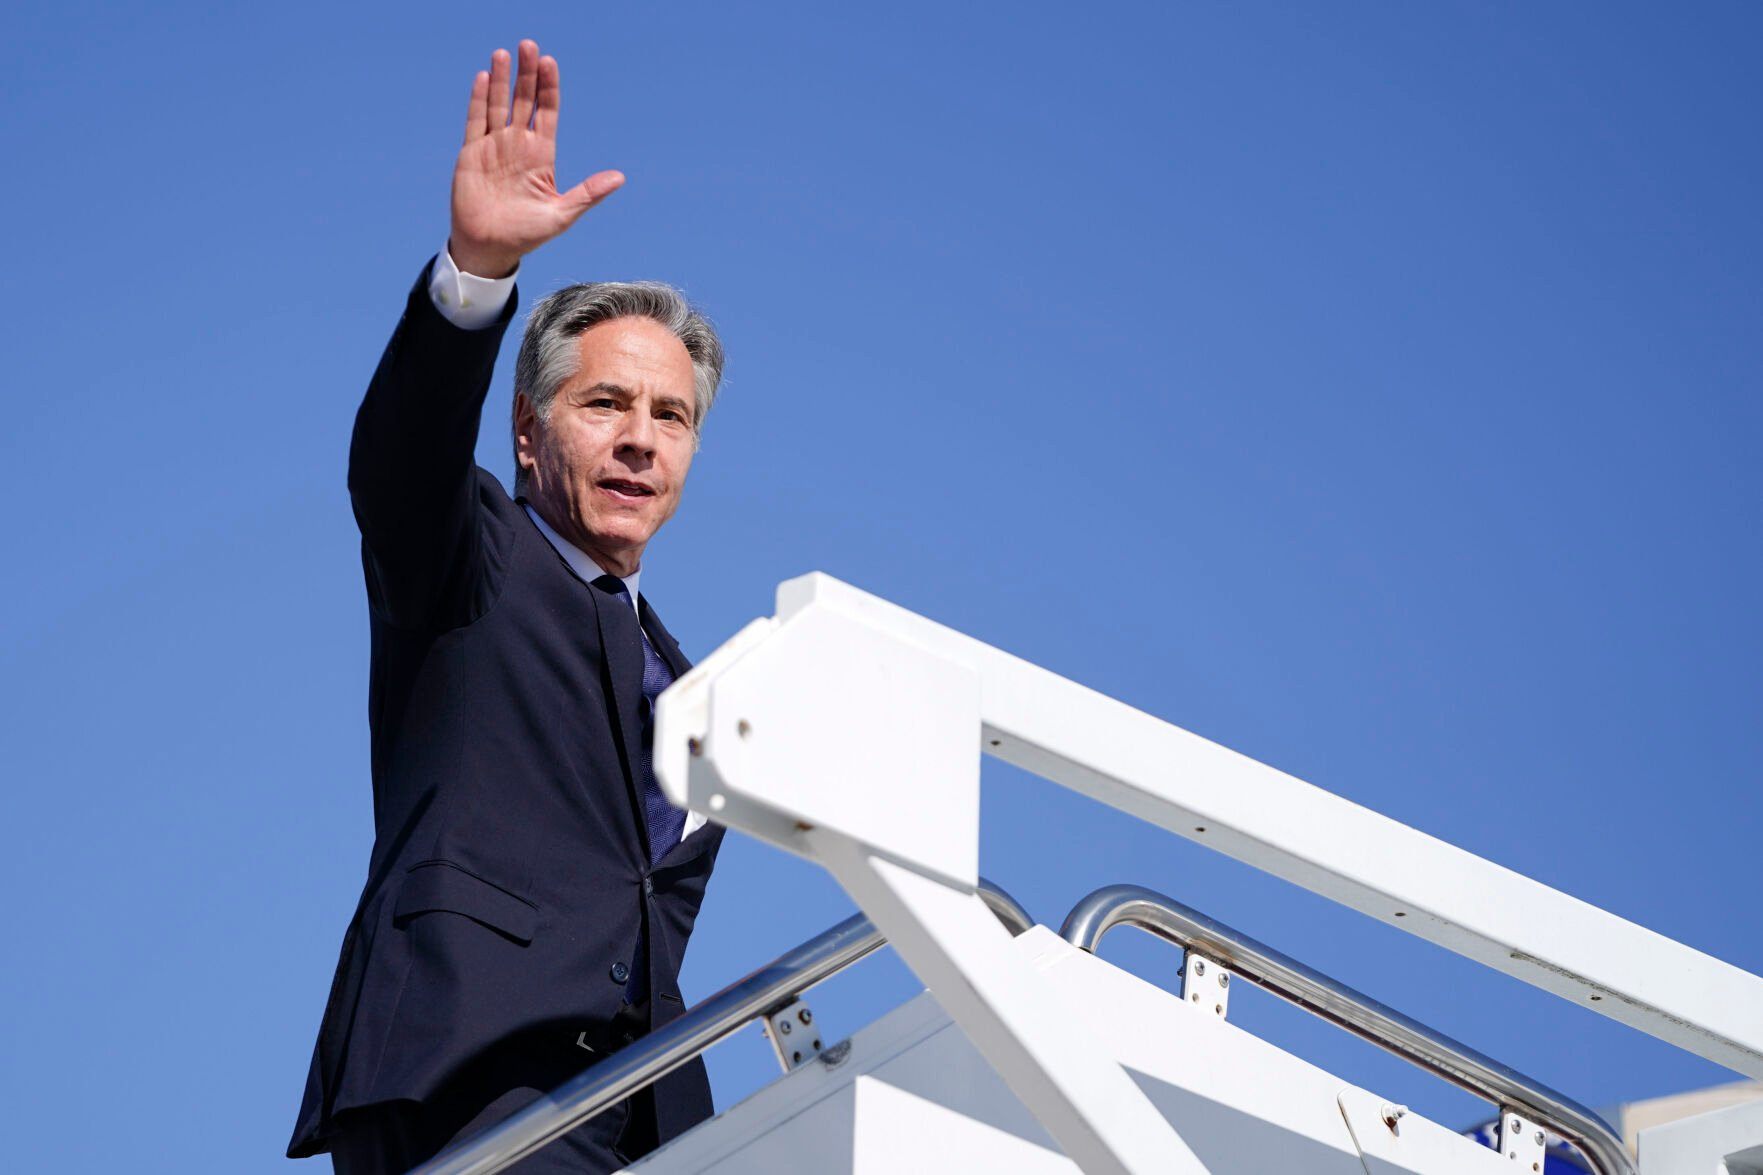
(670, 414)
(603, 402)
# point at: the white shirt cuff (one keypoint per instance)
(466, 300)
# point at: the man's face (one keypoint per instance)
(607, 466)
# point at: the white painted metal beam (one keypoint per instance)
(1024, 1028)
(1257, 814)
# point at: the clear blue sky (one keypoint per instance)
(1376, 389)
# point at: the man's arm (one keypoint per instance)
(411, 477)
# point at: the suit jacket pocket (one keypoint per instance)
(442, 885)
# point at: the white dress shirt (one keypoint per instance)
(471, 302)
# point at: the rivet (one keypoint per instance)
(1224, 979)
(744, 728)
(1200, 967)
(783, 1026)
(805, 1016)
(695, 747)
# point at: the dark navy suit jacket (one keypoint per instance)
(510, 879)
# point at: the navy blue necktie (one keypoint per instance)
(664, 821)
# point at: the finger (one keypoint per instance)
(480, 105)
(550, 97)
(592, 190)
(526, 80)
(498, 90)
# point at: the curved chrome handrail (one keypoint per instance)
(1132, 905)
(652, 1057)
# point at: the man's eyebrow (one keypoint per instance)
(609, 388)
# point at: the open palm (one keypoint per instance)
(505, 197)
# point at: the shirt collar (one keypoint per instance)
(579, 560)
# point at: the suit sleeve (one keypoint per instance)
(413, 482)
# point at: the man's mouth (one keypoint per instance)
(623, 488)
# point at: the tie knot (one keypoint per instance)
(611, 583)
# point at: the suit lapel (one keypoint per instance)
(621, 644)
(661, 640)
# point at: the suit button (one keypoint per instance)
(648, 886)
(620, 973)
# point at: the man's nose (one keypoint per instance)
(638, 432)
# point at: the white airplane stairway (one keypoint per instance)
(849, 731)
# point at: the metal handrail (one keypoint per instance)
(659, 1053)
(1132, 905)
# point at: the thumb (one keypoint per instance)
(592, 190)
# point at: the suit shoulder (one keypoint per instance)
(491, 493)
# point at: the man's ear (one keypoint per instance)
(526, 440)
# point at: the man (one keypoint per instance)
(530, 892)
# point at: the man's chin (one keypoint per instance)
(621, 540)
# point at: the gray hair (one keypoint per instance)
(548, 355)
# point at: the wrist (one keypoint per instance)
(482, 261)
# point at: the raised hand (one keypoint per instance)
(505, 197)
